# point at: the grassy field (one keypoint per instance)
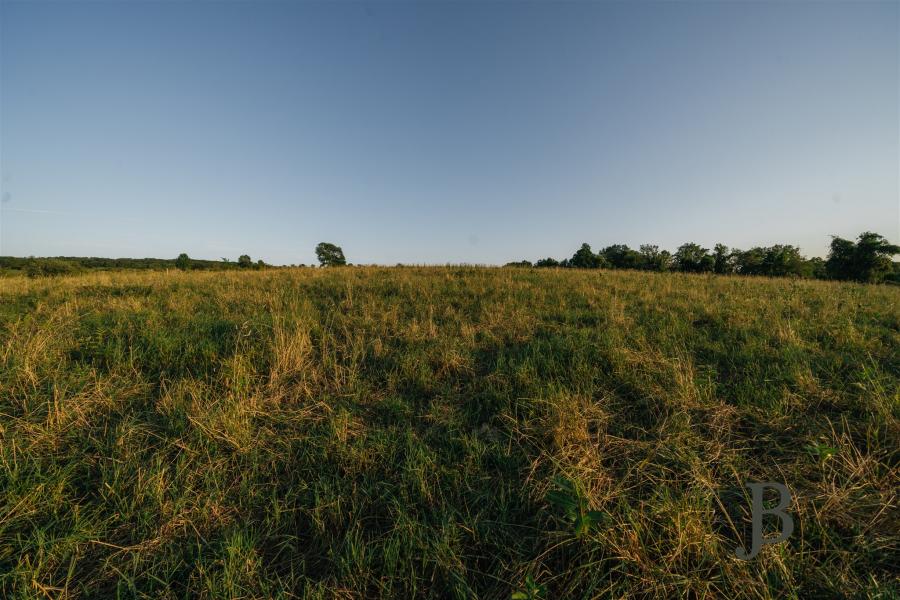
(442, 432)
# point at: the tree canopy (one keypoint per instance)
(868, 260)
(584, 258)
(183, 261)
(330, 255)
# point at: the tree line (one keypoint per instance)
(328, 255)
(70, 265)
(868, 260)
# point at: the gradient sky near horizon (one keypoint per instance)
(435, 132)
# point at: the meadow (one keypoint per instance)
(444, 432)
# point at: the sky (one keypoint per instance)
(444, 132)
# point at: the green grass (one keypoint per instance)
(442, 432)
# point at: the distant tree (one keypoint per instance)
(692, 258)
(584, 258)
(521, 263)
(183, 261)
(654, 259)
(244, 261)
(620, 256)
(783, 260)
(330, 255)
(723, 260)
(547, 262)
(749, 262)
(815, 267)
(260, 264)
(780, 260)
(841, 263)
(868, 260)
(894, 275)
(649, 252)
(666, 260)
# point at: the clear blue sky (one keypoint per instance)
(444, 132)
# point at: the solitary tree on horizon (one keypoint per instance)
(330, 255)
(183, 261)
